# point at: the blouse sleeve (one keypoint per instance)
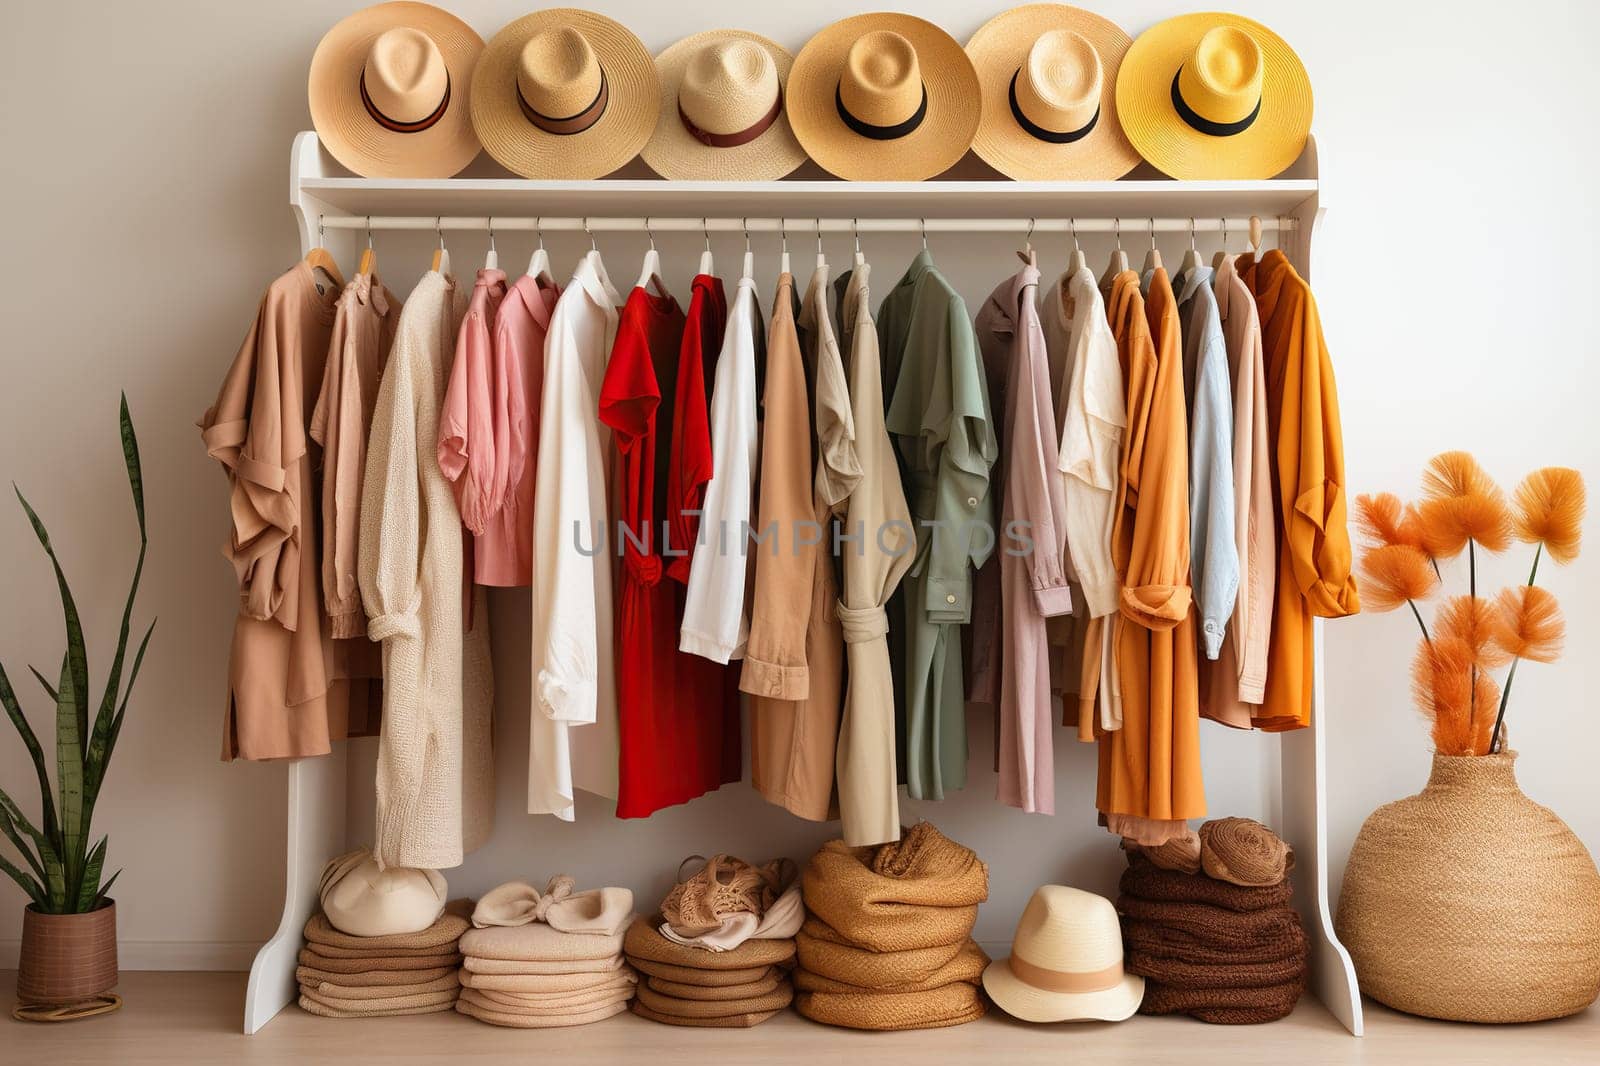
(1035, 433)
(466, 446)
(1091, 448)
(1216, 564)
(390, 545)
(963, 503)
(691, 462)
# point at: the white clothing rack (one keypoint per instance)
(325, 198)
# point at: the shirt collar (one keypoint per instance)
(921, 265)
(1189, 281)
(591, 274)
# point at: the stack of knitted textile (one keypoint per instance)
(1206, 919)
(719, 952)
(345, 976)
(888, 940)
(541, 960)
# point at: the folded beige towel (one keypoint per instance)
(644, 940)
(313, 975)
(332, 964)
(539, 1021)
(547, 1002)
(550, 982)
(705, 992)
(538, 942)
(710, 978)
(548, 1009)
(311, 1006)
(327, 991)
(442, 933)
(478, 964)
(419, 999)
(730, 1021)
(603, 911)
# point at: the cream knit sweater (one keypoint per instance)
(435, 758)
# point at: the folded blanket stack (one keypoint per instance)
(540, 960)
(719, 953)
(888, 940)
(1207, 921)
(345, 976)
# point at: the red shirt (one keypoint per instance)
(678, 714)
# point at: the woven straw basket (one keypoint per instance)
(1470, 902)
(67, 958)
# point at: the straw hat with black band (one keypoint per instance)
(564, 93)
(884, 97)
(1049, 76)
(1216, 96)
(390, 91)
(722, 114)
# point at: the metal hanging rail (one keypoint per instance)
(798, 226)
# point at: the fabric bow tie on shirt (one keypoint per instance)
(598, 910)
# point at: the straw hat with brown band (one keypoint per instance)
(1213, 95)
(722, 110)
(884, 97)
(1049, 77)
(564, 93)
(390, 91)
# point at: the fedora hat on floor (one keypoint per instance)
(564, 93)
(1066, 962)
(722, 110)
(390, 91)
(1213, 95)
(884, 97)
(1049, 76)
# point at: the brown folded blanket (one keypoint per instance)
(728, 1021)
(834, 968)
(311, 1006)
(316, 960)
(1148, 881)
(528, 966)
(1223, 1006)
(329, 951)
(711, 978)
(311, 975)
(777, 999)
(920, 891)
(329, 991)
(703, 992)
(644, 941)
(1182, 973)
(1244, 852)
(1216, 926)
(442, 934)
(366, 1006)
(514, 1020)
(1160, 942)
(551, 983)
(951, 1005)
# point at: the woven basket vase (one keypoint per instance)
(67, 958)
(1472, 903)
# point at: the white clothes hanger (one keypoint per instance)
(749, 266)
(860, 260)
(1079, 261)
(1191, 258)
(650, 273)
(1119, 258)
(783, 233)
(822, 260)
(539, 262)
(1152, 258)
(441, 254)
(491, 261)
(705, 256)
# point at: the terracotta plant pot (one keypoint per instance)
(1471, 902)
(67, 958)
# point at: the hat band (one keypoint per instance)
(1038, 131)
(563, 127)
(395, 126)
(1203, 124)
(1061, 981)
(881, 133)
(733, 140)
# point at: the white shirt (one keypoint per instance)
(716, 617)
(1093, 422)
(574, 680)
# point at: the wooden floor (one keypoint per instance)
(195, 1017)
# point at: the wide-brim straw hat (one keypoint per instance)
(1066, 962)
(391, 91)
(722, 115)
(1049, 77)
(564, 94)
(884, 97)
(1214, 96)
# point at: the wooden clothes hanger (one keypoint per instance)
(539, 262)
(650, 272)
(1152, 258)
(1119, 258)
(1026, 252)
(319, 258)
(1255, 237)
(369, 258)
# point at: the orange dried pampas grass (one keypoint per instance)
(1526, 624)
(1392, 574)
(1473, 621)
(1387, 522)
(1456, 474)
(1449, 522)
(1550, 505)
(1458, 701)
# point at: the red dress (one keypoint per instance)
(677, 713)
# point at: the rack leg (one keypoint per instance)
(316, 826)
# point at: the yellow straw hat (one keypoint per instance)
(884, 97)
(564, 93)
(1049, 77)
(1213, 95)
(722, 112)
(390, 91)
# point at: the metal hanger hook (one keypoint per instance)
(1073, 224)
(1152, 233)
(538, 228)
(1116, 225)
(369, 231)
(1192, 248)
(783, 234)
(819, 235)
(438, 227)
(491, 233)
(1029, 238)
(922, 225)
(592, 246)
(321, 233)
(856, 233)
(1224, 221)
(649, 234)
(744, 224)
(705, 231)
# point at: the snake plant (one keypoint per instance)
(66, 869)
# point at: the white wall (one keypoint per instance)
(144, 179)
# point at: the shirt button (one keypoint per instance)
(950, 599)
(972, 501)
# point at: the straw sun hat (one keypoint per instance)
(1049, 76)
(1066, 962)
(564, 93)
(390, 91)
(1212, 95)
(722, 115)
(884, 97)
